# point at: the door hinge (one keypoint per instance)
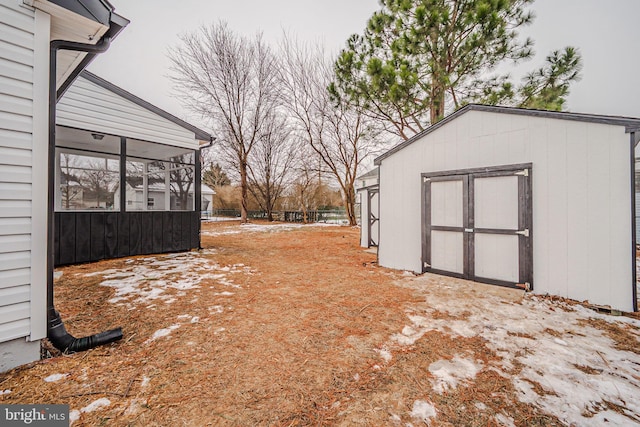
(524, 232)
(426, 179)
(468, 230)
(524, 172)
(426, 265)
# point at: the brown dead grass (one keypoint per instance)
(295, 345)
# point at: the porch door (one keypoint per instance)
(477, 225)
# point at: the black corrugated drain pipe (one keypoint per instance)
(56, 332)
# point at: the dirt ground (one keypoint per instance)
(281, 326)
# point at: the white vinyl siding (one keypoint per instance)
(89, 106)
(581, 197)
(17, 63)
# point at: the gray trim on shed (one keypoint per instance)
(635, 139)
(630, 123)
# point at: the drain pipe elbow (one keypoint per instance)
(67, 343)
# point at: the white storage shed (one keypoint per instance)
(523, 198)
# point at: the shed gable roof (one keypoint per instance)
(631, 124)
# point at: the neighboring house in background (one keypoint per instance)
(534, 199)
(207, 198)
(155, 198)
(368, 188)
(28, 27)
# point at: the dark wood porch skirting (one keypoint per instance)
(92, 236)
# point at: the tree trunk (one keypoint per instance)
(437, 104)
(350, 204)
(243, 192)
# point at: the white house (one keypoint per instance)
(534, 199)
(207, 198)
(28, 29)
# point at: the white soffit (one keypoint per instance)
(69, 26)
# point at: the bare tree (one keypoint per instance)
(181, 181)
(306, 183)
(70, 187)
(229, 80)
(99, 179)
(342, 137)
(271, 162)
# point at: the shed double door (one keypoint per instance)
(477, 225)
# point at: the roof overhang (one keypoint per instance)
(81, 21)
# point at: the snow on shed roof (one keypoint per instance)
(631, 124)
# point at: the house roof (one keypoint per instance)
(79, 21)
(373, 173)
(96, 10)
(199, 133)
(631, 124)
(205, 189)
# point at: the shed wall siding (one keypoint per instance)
(581, 197)
(20, 76)
(89, 106)
(364, 217)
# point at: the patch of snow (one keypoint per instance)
(147, 280)
(219, 218)
(74, 416)
(195, 319)
(448, 373)
(385, 354)
(481, 406)
(145, 381)
(423, 411)
(224, 294)
(265, 228)
(504, 420)
(575, 364)
(408, 336)
(216, 309)
(103, 402)
(57, 274)
(162, 333)
(54, 377)
(3, 392)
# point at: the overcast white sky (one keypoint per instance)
(606, 32)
